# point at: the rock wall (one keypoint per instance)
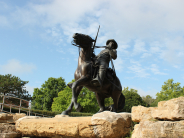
(164, 121)
(7, 125)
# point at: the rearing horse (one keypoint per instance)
(83, 77)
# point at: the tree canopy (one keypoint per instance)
(86, 98)
(169, 91)
(132, 98)
(43, 97)
(13, 86)
(148, 99)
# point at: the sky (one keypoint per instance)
(36, 35)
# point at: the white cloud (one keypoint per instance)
(139, 47)
(14, 66)
(138, 70)
(73, 51)
(155, 70)
(30, 89)
(145, 55)
(118, 64)
(174, 50)
(3, 21)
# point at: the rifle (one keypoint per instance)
(95, 39)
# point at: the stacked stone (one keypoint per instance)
(103, 125)
(164, 121)
(7, 125)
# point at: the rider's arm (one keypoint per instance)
(113, 53)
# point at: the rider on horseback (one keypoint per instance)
(103, 59)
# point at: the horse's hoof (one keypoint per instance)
(78, 108)
(64, 113)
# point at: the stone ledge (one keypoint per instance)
(106, 124)
(10, 118)
(159, 129)
(167, 110)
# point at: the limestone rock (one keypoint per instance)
(8, 131)
(10, 118)
(159, 129)
(105, 125)
(170, 110)
(56, 127)
(142, 113)
(167, 110)
(58, 116)
(111, 125)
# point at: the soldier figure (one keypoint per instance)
(103, 59)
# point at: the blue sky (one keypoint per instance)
(35, 39)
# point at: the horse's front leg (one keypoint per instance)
(80, 82)
(69, 109)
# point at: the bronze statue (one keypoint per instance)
(105, 84)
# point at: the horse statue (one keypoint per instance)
(83, 77)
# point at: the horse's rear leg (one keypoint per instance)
(69, 109)
(115, 97)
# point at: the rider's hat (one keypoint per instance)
(112, 40)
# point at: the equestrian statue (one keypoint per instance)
(93, 72)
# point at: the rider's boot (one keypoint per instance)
(98, 81)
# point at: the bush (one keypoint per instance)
(44, 112)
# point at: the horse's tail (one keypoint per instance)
(121, 102)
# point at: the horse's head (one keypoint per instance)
(82, 40)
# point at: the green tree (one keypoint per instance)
(63, 100)
(132, 98)
(43, 97)
(13, 86)
(169, 91)
(148, 99)
(86, 98)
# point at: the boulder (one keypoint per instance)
(170, 110)
(10, 118)
(159, 129)
(105, 125)
(140, 113)
(8, 131)
(111, 125)
(167, 110)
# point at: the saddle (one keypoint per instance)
(110, 73)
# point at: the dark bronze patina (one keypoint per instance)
(104, 82)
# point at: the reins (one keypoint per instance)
(72, 42)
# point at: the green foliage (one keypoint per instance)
(132, 98)
(148, 99)
(88, 101)
(86, 98)
(44, 112)
(169, 91)
(43, 97)
(63, 100)
(13, 86)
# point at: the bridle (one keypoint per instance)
(73, 43)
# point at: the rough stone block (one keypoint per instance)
(105, 124)
(170, 110)
(142, 113)
(159, 129)
(8, 131)
(10, 118)
(167, 110)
